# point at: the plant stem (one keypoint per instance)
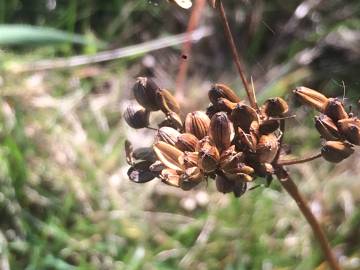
(235, 54)
(291, 188)
(297, 161)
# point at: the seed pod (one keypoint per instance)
(239, 177)
(169, 155)
(136, 117)
(140, 172)
(275, 107)
(350, 128)
(167, 102)
(145, 92)
(311, 97)
(197, 123)
(240, 188)
(222, 91)
(220, 130)
(267, 148)
(268, 126)
(157, 166)
(243, 116)
(172, 120)
(249, 140)
(208, 155)
(170, 177)
(225, 105)
(144, 153)
(211, 110)
(187, 142)
(263, 169)
(336, 151)
(193, 175)
(168, 135)
(224, 185)
(326, 127)
(335, 110)
(190, 159)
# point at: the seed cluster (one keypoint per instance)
(339, 129)
(230, 142)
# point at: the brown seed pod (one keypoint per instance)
(211, 110)
(140, 172)
(350, 128)
(187, 142)
(168, 135)
(249, 140)
(225, 105)
(240, 188)
(197, 123)
(136, 117)
(336, 151)
(144, 153)
(169, 155)
(220, 131)
(170, 177)
(243, 116)
(193, 174)
(167, 102)
(239, 177)
(268, 126)
(335, 110)
(275, 107)
(190, 159)
(172, 120)
(311, 97)
(223, 184)
(267, 148)
(145, 92)
(222, 91)
(326, 127)
(209, 156)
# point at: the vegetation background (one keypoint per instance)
(65, 200)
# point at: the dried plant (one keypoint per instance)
(232, 142)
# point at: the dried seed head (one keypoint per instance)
(197, 123)
(350, 128)
(268, 126)
(220, 130)
(167, 102)
(222, 91)
(275, 107)
(168, 135)
(193, 175)
(169, 155)
(145, 92)
(311, 97)
(190, 159)
(243, 116)
(223, 184)
(208, 155)
(336, 151)
(326, 127)
(187, 142)
(136, 117)
(267, 148)
(335, 110)
(249, 140)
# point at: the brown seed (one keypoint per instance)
(335, 110)
(326, 127)
(170, 177)
(222, 91)
(140, 172)
(168, 135)
(239, 177)
(225, 105)
(311, 97)
(209, 156)
(248, 140)
(145, 92)
(268, 126)
(220, 130)
(197, 123)
(144, 153)
(336, 151)
(167, 102)
(224, 185)
(136, 117)
(187, 142)
(240, 188)
(191, 178)
(275, 107)
(169, 155)
(267, 148)
(172, 120)
(243, 116)
(190, 159)
(350, 128)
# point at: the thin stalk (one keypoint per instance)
(289, 185)
(297, 161)
(235, 54)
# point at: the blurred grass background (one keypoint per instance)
(65, 200)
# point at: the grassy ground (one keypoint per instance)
(65, 200)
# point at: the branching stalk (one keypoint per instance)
(235, 54)
(297, 161)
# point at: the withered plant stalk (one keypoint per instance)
(298, 160)
(250, 93)
(281, 173)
